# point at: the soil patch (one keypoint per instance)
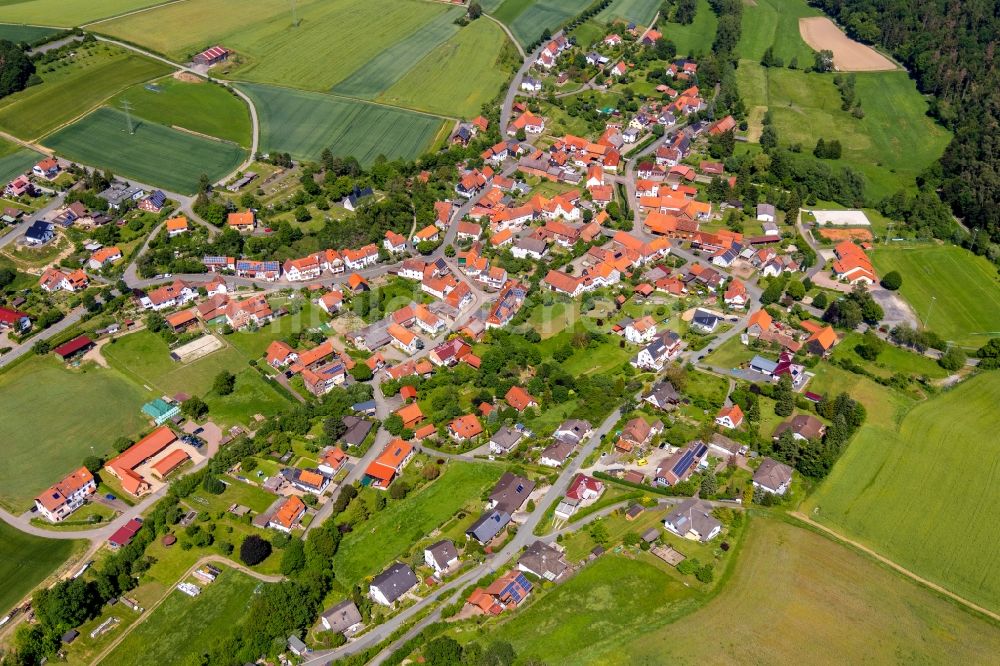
(821, 33)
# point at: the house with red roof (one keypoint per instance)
(465, 427)
(729, 417)
(389, 464)
(65, 497)
(520, 399)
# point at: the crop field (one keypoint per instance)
(528, 18)
(98, 72)
(23, 33)
(640, 12)
(925, 493)
(459, 76)
(25, 561)
(14, 160)
(957, 290)
(182, 628)
(393, 531)
(84, 408)
(153, 154)
(802, 598)
(205, 108)
(68, 13)
(304, 123)
(890, 146)
(696, 38)
(775, 24)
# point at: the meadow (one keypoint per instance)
(775, 24)
(965, 289)
(640, 12)
(152, 154)
(84, 410)
(528, 18)
(205, 108)
(182, 628)
(303, 124)
(25, 561)
(696, 38)
(925, 493)
(391, 532)
(97, 72)
(797, 597)
(892, 360)
(890, 146)
(24, 33)
(14, 160)
(68, 13)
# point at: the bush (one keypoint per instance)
(706, 574)
(213, 485)
(254, 550)
(892, 280)
(953, 359)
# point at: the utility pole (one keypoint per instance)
(294, 21)
(127, 107)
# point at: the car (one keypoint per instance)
(198, 431)
(110, 497)
(168, 275)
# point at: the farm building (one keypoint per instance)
(78, 345)
(211, 56)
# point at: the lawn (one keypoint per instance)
(891, 360)
(97, 72)
(963, 288)
(457, 77)
(15, 160)
(640, 12)
(205, 108)
(731, 354)
(25, 561)
(152, 154)
(304, 123)
(170, 634)
(68, 13)
(775, 24)
(608, 601)
(528, 18)
(925, 493)
(696, 38)
(886, 407)
(801, 598)
(391, 533)
(890, 146)
(55, 417)
(23, 33)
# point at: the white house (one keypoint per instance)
(640, 331)
(693, 519)
(773, 477)
(441, 557)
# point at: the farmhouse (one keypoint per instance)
(123, 465)
(66, 496)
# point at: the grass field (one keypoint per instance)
(797, 597)
(528, 18)
(393, 531)
(926, 494)
(15, 160)
(890, 146)
(304, 123)
(54, 417)
(153, 154)
(696, 38)
(25, 561)
(966, 309)
(183, 628)
(640, 12)
(892, 360)
(775, 24)
(458, 76)
(23, 33)
(205, 108)
(98, 72)
(68, 13)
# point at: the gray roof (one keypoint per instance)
(543, 560)
(506, 438)
(663, 393)
(296, 645)
(488, 525)
(532, 244)
(342, 616)
(764, 365)
(511, 491)
(572, 430)
(704, 317)
(765, 209)
(443, 552)
(559, 450)
(395, 581)
(651, 535)
(357, 430)
(693, 514)
(772, 474)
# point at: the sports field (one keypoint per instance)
(26, 560)
(797, 597)
(926, 493)
(393, 531)
(183, 628)
(964, 288)
(24, 33)
(775, 24)
(206, 108)
(82, 409)
(68, 13)
(890, 146)
(98, 71)
(527, 19)
(14, 160)
(304, 123)
(696, 38)
(153, 154)
(640, 12)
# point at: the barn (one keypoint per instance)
(212, 56)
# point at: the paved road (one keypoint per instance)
(20, 350)
(18, 230)
(515, 86)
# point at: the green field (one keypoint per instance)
(183, 628)
(528, 18)
(24, 33)
(25, 561)
(304, 123)
(640, 12)
(68, 13)
(890, 146)
(153, 154)
(392, 532)
(54, 417)
(925, 493)
(892, 360)
(205, 108)
(775, 24)
(15, 160)
(97, 72)
(458, 76)
(965, 289)
(797, 597)
(696, 38)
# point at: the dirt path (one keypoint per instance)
(821, 33)
(903, 570)
(96, 355)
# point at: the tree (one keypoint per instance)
(194, 408)
(953, 359)
(399, 490)
(430, 471)
(475, 10)
(443, 651)
(224, 383)
(41, 347)
(823, 61)
(7, 276)
(213, 485)
(705, 573)
(820, 300)
(784, 403)
(598, 532)
(93, 464)
(394, 424)
(254, 550)
(870, 347)
(772, 294)
(892, 280)
(293, 558)
(498, 653)
(631, 539)
(795, 290)
(16, 68)
(989, 354)
(709, 485)
(361, 372)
